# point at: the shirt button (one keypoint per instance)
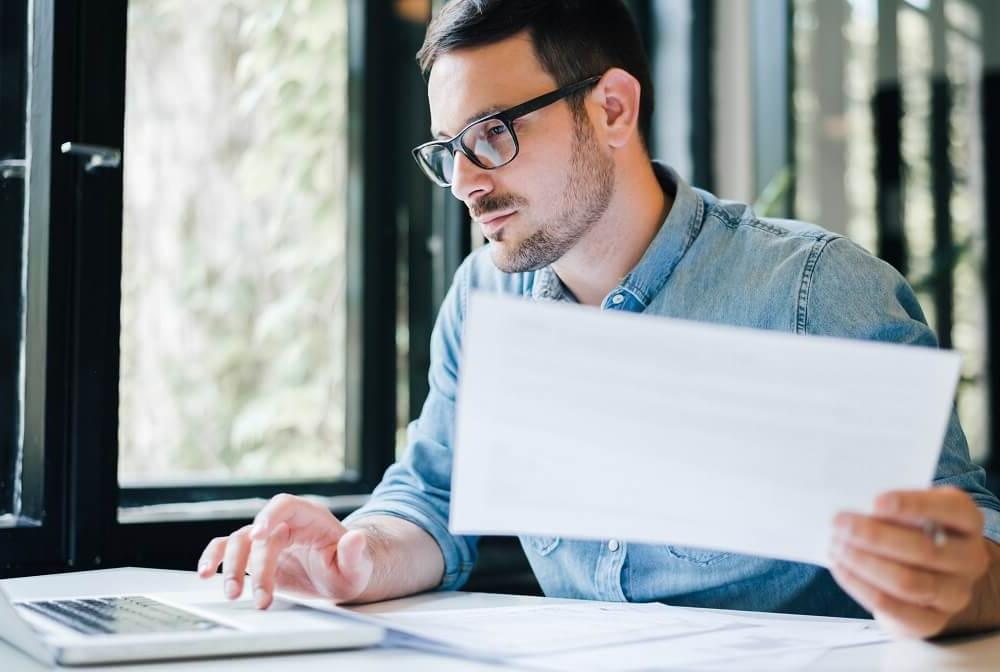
(613, 545)
(617, 298)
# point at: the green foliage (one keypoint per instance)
(234, 318)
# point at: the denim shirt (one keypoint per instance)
(714, 261)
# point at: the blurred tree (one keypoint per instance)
(233, 306)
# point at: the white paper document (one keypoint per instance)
(589, 635)
(735, 645)
(803, 659)
(512, 632)
(540, 628)
(744, 644)
(585, 424)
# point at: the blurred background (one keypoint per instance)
(241, 304)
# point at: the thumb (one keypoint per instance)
(354, 562)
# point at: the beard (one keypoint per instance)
(584, 201)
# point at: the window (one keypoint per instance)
(248, 297)
(678, 35)
(234, 282)
(13, 173)
(889, 149)
(210, 278)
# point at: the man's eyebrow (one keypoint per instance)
(478, 115)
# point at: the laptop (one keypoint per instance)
(128, 628)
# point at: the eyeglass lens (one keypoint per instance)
(490, 142)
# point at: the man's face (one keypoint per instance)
(538, 206)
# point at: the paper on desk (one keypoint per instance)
(502, 633)
(505, 632)
(799, 659)
(579, 423)
(750, 645)
(605, 635)
(591, 635)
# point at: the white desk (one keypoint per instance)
(980, 653)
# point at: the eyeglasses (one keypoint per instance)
(489, 142)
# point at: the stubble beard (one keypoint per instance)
(584, 201)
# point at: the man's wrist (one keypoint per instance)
(405, 557)
(377, 543)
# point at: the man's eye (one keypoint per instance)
(497, 131)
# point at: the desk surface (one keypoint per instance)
(979, 653)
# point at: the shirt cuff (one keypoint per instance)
(991, 528)
(458, 559)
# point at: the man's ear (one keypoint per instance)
(617, 96)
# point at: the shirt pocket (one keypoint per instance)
(542, 545)
(696, 556)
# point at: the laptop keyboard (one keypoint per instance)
(131, 614)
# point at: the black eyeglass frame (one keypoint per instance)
(506, 117)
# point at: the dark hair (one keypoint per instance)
(573, 39)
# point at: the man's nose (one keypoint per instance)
(469, 181)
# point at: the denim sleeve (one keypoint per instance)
(852, 294)
(417, 488)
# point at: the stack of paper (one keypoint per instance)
(774, 644)
(588, 635)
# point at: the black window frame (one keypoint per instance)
(990, 108)
(75, 293)
(13, 131)
(371, 309)
(37, 540)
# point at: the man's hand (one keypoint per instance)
(293, 544)
(915, 583)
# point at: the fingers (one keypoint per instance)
(947, 506)
(234, 562)
(898, 572)
(944, 592)
(263, 564)
(897, 616)
(283, 522)
(961, 554)
(211, 557)
(232, 553)
(307, 520)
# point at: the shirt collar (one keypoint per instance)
(671, 242)
(548, 287)
(678, 231)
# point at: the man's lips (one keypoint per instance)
(493, 222)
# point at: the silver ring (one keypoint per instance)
(937, 533)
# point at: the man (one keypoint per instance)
(537, 108)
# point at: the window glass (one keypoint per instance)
(844, 59)
(234, 291)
